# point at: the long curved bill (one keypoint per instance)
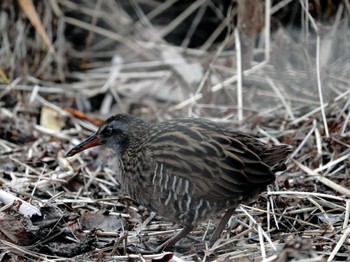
(91, 141)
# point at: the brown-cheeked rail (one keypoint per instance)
(188, 170)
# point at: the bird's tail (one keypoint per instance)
(276, 156)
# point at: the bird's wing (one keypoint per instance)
(206, 161)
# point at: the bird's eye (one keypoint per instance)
(107, 131)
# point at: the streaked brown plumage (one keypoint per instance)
(188, 170)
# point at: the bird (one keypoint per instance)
(188, 170)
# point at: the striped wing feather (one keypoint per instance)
(217, 165)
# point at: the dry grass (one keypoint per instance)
(104, 62)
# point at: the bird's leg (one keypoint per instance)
(218, 230)
(171, 241)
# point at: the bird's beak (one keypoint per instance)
(94, 140)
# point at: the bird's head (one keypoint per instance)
(115, 133)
